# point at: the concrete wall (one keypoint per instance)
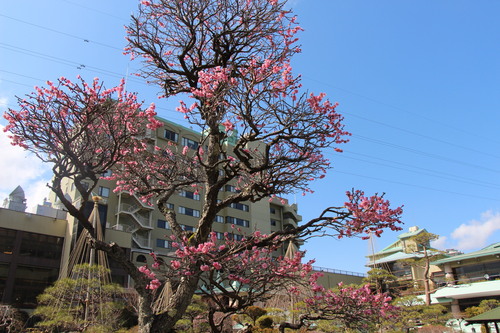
(331, 278)
(39, 224)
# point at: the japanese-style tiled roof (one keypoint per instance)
(395, 257)
(411, 233)
(486, 317)
(493, 249)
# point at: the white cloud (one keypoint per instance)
(35, 193)
(475, 234)
(4, 101)
(18, 167)
(440, 243)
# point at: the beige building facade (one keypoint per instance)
(36, 247)
(141, 228)
(32, 248)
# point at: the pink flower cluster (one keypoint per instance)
(360, 304)
(155, 283)
(370, 215)
(252, 267)
(211, 81)
(65, 115)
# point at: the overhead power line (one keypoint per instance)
(388, 105)
(86, 40)
(418, 170)
(423, 153)
(70, 63)
(422, 135)
(418, 186)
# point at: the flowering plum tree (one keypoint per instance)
(350, 307)
(231, 59)
(234, 274)
(83, 130)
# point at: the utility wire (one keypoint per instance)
(421, 135)
(419, 152)
(442, 176)
(305, 76)
(426, 170)
(96, 10)
(66, 62)
(418, 186)
(398, 109)
(86, 40)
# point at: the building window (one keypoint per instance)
(231, 236)
(274, 222)
(103, 191)
(163, 224)
(190, 195)
(31, 281)
(189, 211)
(163, 243)
(170, 205)
(7, 239)
(219, 218)
(141, 258)
(108, 173)
(240, 206)
(189, 143)
(188, 228)
(237, 221)
(41, 246)
(220, 235)
(272, 210)
(231, 188)
(171, 135)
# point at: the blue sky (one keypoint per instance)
(418, 83)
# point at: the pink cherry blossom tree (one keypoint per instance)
(83, 130)
(352, 308)
(261, 133)
(231, 60)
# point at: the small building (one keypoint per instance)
(32, 248)
(394, 258)
(467, 279)
(16, 200)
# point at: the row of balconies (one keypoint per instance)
(136, 218)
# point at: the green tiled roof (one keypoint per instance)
(411, 233)
(394, 247)
(397, 245)
(395, 257)
(488, 316)
(492, 249)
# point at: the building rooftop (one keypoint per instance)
(493, 249)
(398, 245)
(477, 289)
(413, 231)
(488, 316)
(395, 257)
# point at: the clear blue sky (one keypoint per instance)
(417, 81)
